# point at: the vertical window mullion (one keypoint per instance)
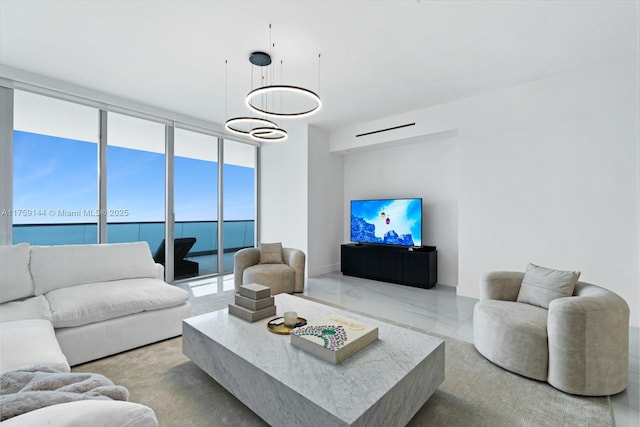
(102, 179)
(6, 165)
(256, 227)
(220, 205)
(169, 216)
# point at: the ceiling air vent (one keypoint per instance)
(385, 130)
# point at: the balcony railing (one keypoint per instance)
(237, 234)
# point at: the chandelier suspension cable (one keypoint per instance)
(251, 77)
(271, 49)
(251, 85)
(226, 91)
(273, 74)
(265, 82)
(262, 84)
(319, 55)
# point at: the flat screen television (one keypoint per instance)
(395, 222)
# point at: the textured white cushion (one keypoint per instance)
(31, 308)
(30, 342)
(94, 413)
(15, 278)
(542, 285)
(55, 267)
(95, 302)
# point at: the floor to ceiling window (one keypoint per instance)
(60, 165)
(239, 208)
(55, 154)
(196, 203)
(135, 180)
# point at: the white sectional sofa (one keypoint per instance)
(65, 305)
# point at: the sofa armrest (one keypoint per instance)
(589, 342)
(501, 285)
(241, 260)
(160, 271)
(295, 259)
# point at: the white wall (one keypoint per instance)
(548, 174)
(326, 189)
(283, 190)
(426, 168)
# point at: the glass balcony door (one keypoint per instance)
(136, 182)
(239, 198)
(195, 203)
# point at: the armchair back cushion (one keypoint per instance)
(15, 278)
(54, 267)
(542, 285)
(271, 253)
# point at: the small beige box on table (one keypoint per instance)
(255, 291)
(253, 302)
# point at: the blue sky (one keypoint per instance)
(54, 176)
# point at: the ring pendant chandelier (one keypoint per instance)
(256, 100)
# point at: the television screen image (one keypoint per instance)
(387, 221)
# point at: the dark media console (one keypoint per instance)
(406, 266)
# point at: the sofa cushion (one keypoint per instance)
(55, 267)
(30, 342)
(15, 278)
(271, 253)
(95, 302)
(542, 285)
(31, 308)
(94, 413)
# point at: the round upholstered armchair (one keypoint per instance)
(281, 269)
(579, 344)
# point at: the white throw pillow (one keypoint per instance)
(55, 267)
(542, 285)
(95, 302)
(15, 278)
(31, 308)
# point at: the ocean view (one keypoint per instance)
(55, 189)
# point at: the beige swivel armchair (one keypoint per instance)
(579, 345)
(285, 277)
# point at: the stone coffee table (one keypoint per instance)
(384, 384)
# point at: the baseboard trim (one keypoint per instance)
(318, 271)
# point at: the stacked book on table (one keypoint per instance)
(334, 338)
(253, 302)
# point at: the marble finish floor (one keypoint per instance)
(438, 309)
